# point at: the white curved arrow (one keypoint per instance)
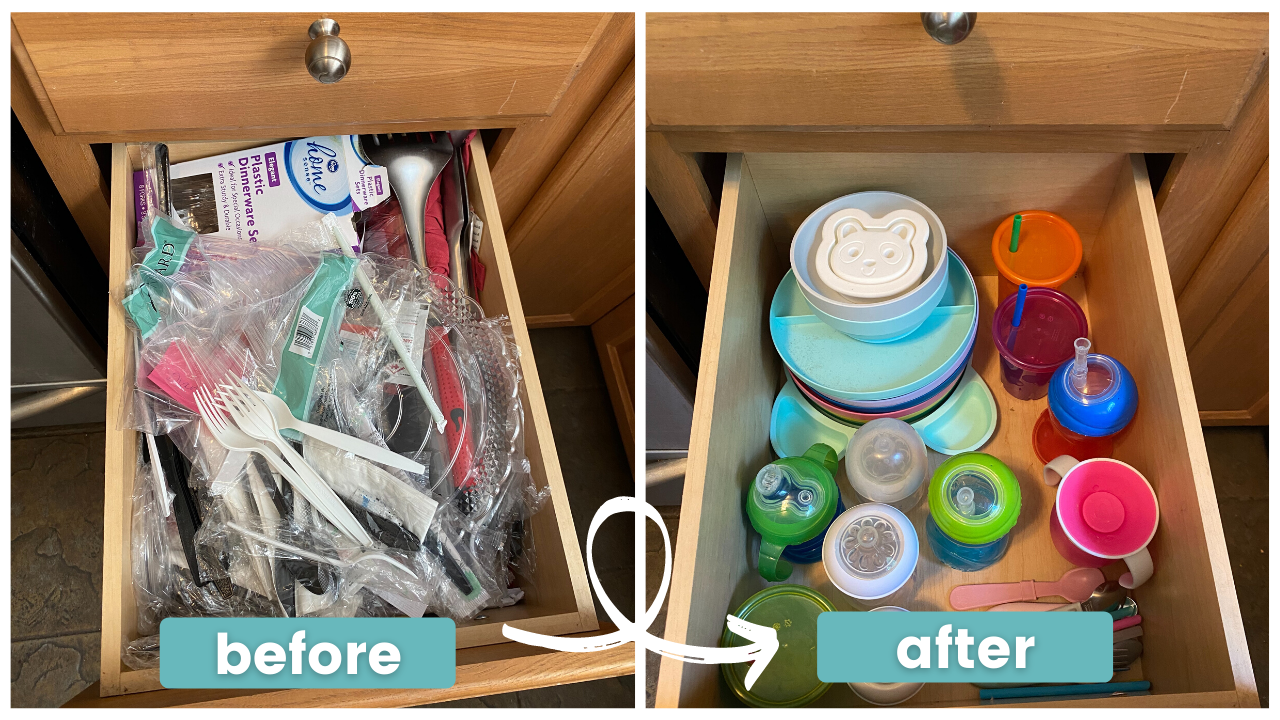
(763, 640)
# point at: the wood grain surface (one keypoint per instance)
(530, 153)
(1203, 187)
(1195, 638)
(1241, 243)
(573, 247)
(70, 164)
(681, 193)
(728, 443)
(157, 72)
(1229, 364)
(809, 71)
(475, 677)
(615, 339)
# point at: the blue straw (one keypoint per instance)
(1022, 300)
(1017, 316)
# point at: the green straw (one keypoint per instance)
(1017, 225)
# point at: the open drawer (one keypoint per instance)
(557, 599)
(1195, 651)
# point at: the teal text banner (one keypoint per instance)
(986, 647)
(280, 653)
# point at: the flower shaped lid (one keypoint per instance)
(870, 551)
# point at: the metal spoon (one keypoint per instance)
(1104, 597)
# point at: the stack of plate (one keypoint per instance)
(838, 382)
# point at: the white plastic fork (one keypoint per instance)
(233, 438)
(305, 479)
(319, 493)
(263, 402)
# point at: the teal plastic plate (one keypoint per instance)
(850, 370)
(965, 422)
(795, 425)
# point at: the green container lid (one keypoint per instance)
(791, 679)
(974, 498)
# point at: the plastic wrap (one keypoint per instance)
(449, 541)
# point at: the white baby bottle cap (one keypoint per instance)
(870, 551)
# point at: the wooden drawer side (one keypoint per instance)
(724, 448)
(1195, 640)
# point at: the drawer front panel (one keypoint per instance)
(157, 72)
(1123, 288)
(867, 70)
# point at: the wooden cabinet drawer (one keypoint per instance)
(557, 600)
(742, 72)
(140, 76)
(1195, 646)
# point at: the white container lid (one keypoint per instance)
(866, 258)
(870, 551)
(886, 461)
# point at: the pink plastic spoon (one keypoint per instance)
(1076, 585)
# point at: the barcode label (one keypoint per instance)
(305, 334)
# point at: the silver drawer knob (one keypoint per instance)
(328, 58)
(948, 28)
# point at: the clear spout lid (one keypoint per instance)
(793, 499)
(1093, 395)
(886, 460)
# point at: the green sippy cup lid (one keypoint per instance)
(793, 499)
(974, 498)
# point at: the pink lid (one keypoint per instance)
(1107, 508)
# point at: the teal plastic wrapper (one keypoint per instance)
(165, 259)
(318, 316)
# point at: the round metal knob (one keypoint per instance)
(948, 28)
(328, 58)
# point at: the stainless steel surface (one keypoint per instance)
(412, 166)
(25, 407)
(1107, 594)
(1125, 652)
(25, 267)
(327, 58)
(456, 212)
(948, 28)
(43, 386)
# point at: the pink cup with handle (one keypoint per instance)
(1105, 511)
